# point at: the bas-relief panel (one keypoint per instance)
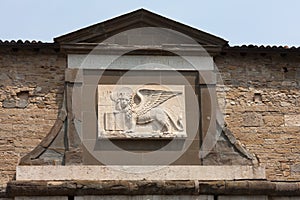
(141, 111)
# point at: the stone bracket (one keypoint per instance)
(34, 157)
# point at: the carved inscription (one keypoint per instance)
(149, 111)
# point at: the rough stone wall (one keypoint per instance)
(262, 108)
(31, 90)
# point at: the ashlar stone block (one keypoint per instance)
(147, 197)
(42, 198)
(252, 119)
(292, 120)
(284, 198)
(243, 197)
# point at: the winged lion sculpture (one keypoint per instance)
(142, 107)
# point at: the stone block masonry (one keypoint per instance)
(262, 105)
(262, 108)
(31, 92)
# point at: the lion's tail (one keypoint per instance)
(177, 124)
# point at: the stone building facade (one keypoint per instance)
(261, 108)
(29, 101)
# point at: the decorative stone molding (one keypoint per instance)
(145, 187)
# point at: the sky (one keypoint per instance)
(258, 22)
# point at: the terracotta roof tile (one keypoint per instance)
(26, 44)
(20, 42)
(262, 48)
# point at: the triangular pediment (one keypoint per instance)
(136, 19)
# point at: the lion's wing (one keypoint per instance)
(153, 98)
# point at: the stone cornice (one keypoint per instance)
(148, 187)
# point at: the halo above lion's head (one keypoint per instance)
(122, 93)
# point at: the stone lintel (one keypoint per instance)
(176, 172)
(140, 62)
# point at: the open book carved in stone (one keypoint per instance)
(142, 112)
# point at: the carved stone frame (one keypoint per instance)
(144, 145)
(73, 152)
